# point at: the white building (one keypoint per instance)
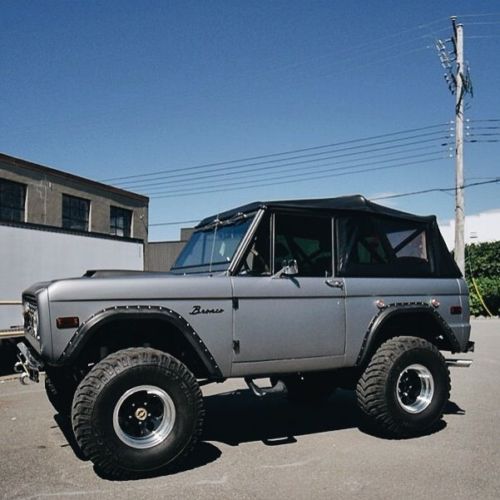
(481, 228)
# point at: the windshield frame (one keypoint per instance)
(221, 267)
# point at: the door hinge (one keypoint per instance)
(236, 303)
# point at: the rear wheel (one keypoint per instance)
(137, 411)
(405, 387)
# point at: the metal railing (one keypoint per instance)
(11, 332)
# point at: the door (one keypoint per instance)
(282, 321)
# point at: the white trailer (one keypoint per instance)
(40, 253)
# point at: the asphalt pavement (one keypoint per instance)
(267, 448)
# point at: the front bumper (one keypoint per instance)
(29, 364)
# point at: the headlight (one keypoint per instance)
(31, 319)
(35, 323)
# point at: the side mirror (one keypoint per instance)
(290, 268)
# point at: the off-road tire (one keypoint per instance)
(307, 388)
(59, 392)
(98, 398)
(377, 390)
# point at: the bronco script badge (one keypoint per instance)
(199, 310)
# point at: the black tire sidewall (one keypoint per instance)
(435, 364)
(173, 445)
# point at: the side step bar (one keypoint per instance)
(278, 388)
(459, 363)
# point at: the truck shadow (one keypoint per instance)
(239, 417)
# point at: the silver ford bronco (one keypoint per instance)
(311, 294)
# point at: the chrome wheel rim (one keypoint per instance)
(144, 416)
(415, 388)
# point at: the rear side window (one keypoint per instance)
(381, 246)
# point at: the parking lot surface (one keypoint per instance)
(268, 448)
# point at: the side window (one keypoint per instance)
(379, 246)
(306, 239)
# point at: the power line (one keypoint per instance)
(437, 190)
(483, 134)
(300, 175)
(493, 180)
(288, 181)
(482, 36)
(480, 15)
(264, 166)
(324, 168)
(475, 141)
(485, 120)
(273, 155)
(487, 127)
(484, 23)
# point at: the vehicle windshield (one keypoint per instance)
(212, 248)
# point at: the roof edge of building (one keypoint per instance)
(66, 175)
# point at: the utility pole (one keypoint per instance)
(459, 83)
(459, 146)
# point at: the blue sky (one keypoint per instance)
(106, 89)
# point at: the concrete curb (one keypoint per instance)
(6, 378)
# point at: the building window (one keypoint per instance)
(12, 201)
(120, 220)
(75, 213)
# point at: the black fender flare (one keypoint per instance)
(88, 328)
(392, 310)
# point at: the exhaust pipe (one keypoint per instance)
(459, 363)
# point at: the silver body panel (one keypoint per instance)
(285, 319)
(364, 293)
(285, 324)
(255, 325)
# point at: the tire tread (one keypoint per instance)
(370, 389)
(89, 438)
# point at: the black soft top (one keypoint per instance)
(353, 203)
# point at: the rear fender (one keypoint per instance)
(377, 332)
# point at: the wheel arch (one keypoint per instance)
(121, 327)
(417, 320)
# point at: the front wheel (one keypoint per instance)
(405, 387)
(137, 411)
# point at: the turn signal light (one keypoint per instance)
(68, 322)
(456, 310)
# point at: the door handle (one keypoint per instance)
(335, 283)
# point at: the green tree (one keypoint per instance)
(482, 271)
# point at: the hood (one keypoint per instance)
(138, 287)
